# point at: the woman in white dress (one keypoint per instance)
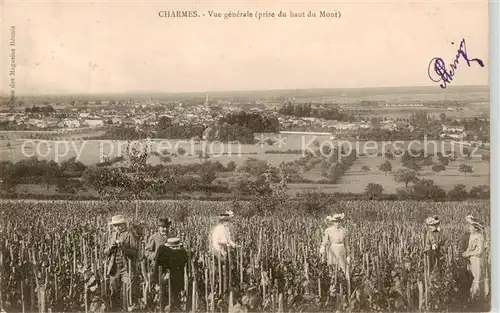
(475, 254)
(334, 243)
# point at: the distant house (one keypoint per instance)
(69, 123)
(34, 121)
(345, 126)
(94, 122)
(458, 136)
(84, 115)
(128, 121)
(37, 123)
(116, 121)
(453, 129)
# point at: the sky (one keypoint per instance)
(124, 46)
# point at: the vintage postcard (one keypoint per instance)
(248, 156)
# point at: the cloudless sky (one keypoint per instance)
(83, 47)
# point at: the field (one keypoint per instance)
(49, 250)
(355, 178)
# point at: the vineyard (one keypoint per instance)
(52, 257)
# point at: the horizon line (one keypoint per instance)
(229, 90)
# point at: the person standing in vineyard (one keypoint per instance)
(158, 239)
(172, 258)
(334, 243)
(475, 252)
(221, 236)
(434, 242)
(122, 254)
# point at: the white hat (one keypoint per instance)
(117, 219)
(335, 217)
(433, 220)
(173, 242)
(471, 219)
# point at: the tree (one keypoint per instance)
(442, 117)
(412, 165)
(181, 151)
(253, 166)
(444, 160)
(231, 166)
(406, 176)
(459, 192)
(373, 191)
(480, 192)
(366, 168)
(427, 161)
(425, 189)
(464, 168)
(163, 123)
(438, 168)
(385, 167)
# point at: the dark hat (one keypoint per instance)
(165, 222)
(226, 216)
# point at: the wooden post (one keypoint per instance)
(212, 283)
(85, 297)
(220, 274)
(420, 295)
(124, 298)
(169, 293)
(229, 261)
(241, 264)
(129, 283)
(160, 284)
(206, 290)
(230, 309)
(193, 305)
(22, 297)
(319, 287)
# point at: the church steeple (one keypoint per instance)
(207, 103)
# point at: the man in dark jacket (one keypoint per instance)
(434, 243)
(158, 239)
(172, 258)
(122, 254)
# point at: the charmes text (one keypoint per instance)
(169, 14)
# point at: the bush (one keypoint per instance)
(480, 192)
(458, 193)
(373, 191)
(314, 203)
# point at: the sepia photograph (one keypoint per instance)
(247, 156)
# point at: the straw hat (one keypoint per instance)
(335, 217)
(173, 242)
(433, 221)
(117, 219)
(477, 225)
(226, 216)
(471, 219)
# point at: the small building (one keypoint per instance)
(69, 123)
(453, 129)
(94, 123)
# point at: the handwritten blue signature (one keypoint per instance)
(437, 66)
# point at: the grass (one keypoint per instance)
(356, 179)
